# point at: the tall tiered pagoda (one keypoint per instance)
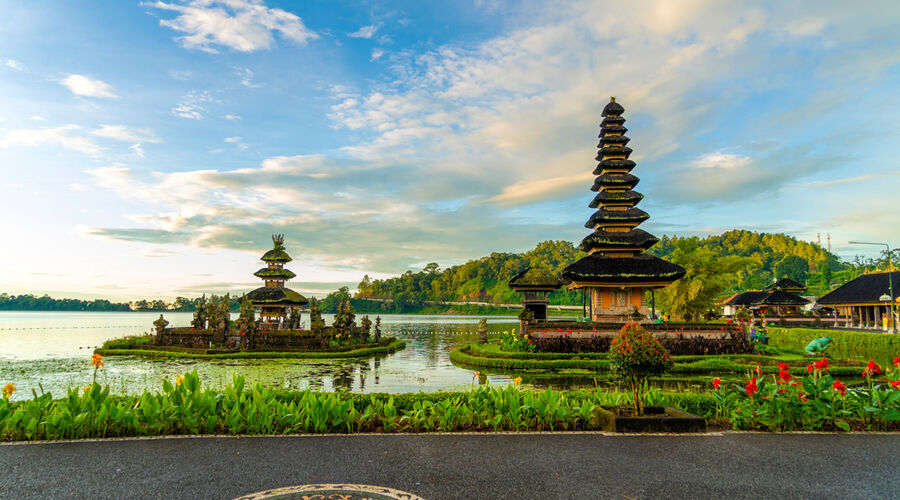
(617, 272)
(274, 300)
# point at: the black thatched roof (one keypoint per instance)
(535, 278)
(612, 120)
(634, 215)
(782, 298)
(865, 289)
(612, 129)
(615, 180)
(766, 298)
(626, 165)
(607, 196)
(633, 239)
(274, 274)
(613, 108)
(746, 299)
(276, 254)
(641, 268)
(608, 140)
(786, 284)
(276, 296)
(612, 151)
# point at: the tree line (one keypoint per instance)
(717, 266)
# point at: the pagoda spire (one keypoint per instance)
(617, 272)
(616, 220)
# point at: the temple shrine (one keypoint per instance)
(274, 301)
(616, 274)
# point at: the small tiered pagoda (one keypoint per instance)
(274, 300)
(535, 284)
(617, 273)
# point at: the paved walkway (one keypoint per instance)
(464, 466)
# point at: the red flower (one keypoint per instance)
(758, 370)
(895, 384)
(783, 367)
(822, 364)
(840, 387)
(784, 375)
(751, 386)
(796, 383)
(872, 368)
(897, 361)
(559, 329)
(809, 368)
(717, 383)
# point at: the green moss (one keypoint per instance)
(158, 353)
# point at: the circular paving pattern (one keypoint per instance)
(332, 492)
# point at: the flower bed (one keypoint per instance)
(817, 400)
(386, 345)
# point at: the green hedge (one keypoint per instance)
(493, 351)
(358, 353)
(845, 339)
(479, 356)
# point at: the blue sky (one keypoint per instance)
(150, 148)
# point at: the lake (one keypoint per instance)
(53, 349)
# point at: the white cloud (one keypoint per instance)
(191, 105)
(65, 136)
(233, 118)
(236, 140)
(12, 63)
(37, 118)
(242, 25)
(246, 77)
(722, 160)
(364, 32)
(88, 87)
(127, 134)
(137, 150)
(376, 54)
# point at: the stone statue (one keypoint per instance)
(365, 327)
(377, 330)
(200, 315)
(818, 346)
(160, 325)
(316, 323)
(246, 322)
(482, 331)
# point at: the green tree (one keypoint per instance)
(793, 267)
(708, 276)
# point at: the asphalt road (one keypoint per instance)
(440, 466)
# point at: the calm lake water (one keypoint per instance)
(53, 349)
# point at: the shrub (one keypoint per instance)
(513, 341)
(634, 356)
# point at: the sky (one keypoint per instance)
(149, 149)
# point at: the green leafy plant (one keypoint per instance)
(634, 356)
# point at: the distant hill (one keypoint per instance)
(484, 279)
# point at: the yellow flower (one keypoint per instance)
(87, 388)
(97, 361)
(8, 390)
(517, 380)
(178, 380)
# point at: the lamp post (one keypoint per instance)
(890, 279)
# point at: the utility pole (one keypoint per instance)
(890, 274)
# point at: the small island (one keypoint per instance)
(278, 332)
